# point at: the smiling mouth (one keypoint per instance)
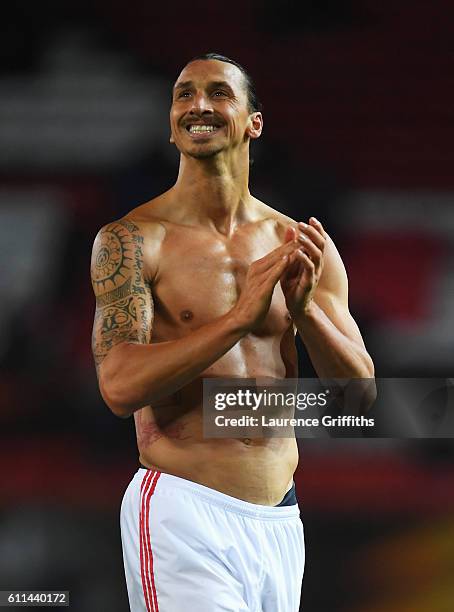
(196, 130)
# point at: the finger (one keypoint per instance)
(307, 263)
(313, 233)
(293, 268)
(290, 234)
(318, 226)
(271, 258)
(276, 271)
(310, 249)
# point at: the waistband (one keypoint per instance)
(216, 498)
(289, 498)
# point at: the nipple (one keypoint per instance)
(186, 315)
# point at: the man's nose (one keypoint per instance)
(201, 104)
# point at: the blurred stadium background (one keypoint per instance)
(359, 130)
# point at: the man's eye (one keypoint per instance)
(219, 92)
(184, 94)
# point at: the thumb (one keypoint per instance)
(292, 269)
(290, 234)
(277, 270)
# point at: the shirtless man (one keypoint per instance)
(207, 281)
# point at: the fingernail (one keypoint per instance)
(302, 237)
(314, 219)
(302, 224)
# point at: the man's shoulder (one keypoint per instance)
(268, 213)
(142, 221)
(137, 236)
(149, 217)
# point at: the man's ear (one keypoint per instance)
(255, 127)
(171, 140)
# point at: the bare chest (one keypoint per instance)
(201, 278)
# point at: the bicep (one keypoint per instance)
(332, 294)
(124, 304)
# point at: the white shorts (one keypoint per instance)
(189, 547)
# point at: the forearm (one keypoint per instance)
(135, 375)
(332, 353)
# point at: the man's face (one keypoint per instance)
(209, 110)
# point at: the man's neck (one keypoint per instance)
(213, 192)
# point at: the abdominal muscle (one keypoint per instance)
(260, 471)
(170, 434)
(257, 470)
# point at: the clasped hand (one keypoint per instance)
(302, 274)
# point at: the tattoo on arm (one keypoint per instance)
(124, 304)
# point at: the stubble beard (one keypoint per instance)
(205, 153)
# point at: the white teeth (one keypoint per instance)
(195, 129)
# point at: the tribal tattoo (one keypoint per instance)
(124, 304)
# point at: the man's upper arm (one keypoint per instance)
(332, 293)
(124, 304)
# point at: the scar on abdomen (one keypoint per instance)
(186, 315)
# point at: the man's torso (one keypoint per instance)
(197, 275)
